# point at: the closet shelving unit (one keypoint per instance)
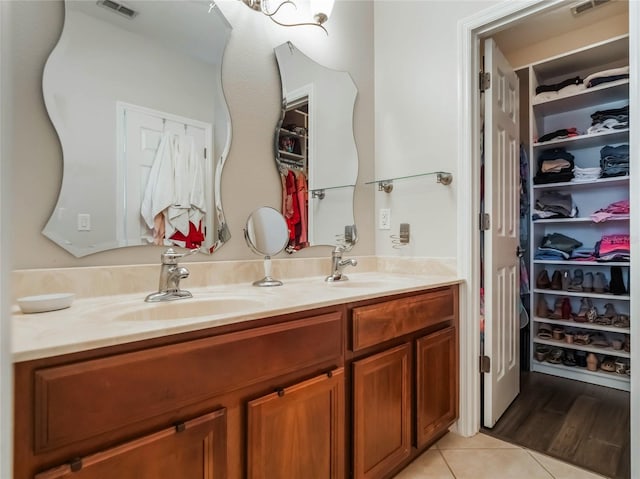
(574, 111)
(296, 116)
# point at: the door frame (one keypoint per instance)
(470, 32)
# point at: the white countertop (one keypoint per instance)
(111, 320)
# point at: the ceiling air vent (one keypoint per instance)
(118, 8)
(586, 6)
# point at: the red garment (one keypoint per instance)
(292, 209)
(303, 200)
(194, 239)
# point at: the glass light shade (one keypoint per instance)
(321, 9)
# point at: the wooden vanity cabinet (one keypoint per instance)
(404, 363)
(298, 431)
(123, 411)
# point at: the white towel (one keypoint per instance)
(158, 194)
(607, 73)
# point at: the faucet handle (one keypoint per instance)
(170, 256)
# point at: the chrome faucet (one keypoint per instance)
(338, 264)
(170, 276)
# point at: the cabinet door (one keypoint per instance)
(192, 450)
(436, 384)
(298, 432)
(381, 412)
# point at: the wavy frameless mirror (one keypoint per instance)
(315, 150)
(267, 235)
(135, 95)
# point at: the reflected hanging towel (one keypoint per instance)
(158, 194)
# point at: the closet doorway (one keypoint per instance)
(582, 31)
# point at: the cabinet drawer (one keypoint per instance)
(86, 399)
(380, 322)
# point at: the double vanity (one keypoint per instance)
(310, 379)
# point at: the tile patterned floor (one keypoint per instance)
(484, 457)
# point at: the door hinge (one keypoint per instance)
(485, 221)
(484, 81)
(485, 364)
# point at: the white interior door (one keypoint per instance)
(501, 269)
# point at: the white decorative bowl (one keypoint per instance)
(45, 302)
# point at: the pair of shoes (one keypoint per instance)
(555, 356)
(621, 321)
(556, 280)
(569, 359)
(617, 282)
(600, 284)
(576, 282)
(542, 308)
(585, 307)
(544, 331)
(581, 358)
(542, 352)
(587, 282)
(608, 364)
(542, 281)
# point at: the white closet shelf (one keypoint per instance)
(582, 263)
(578, 347)
(578, 220)
(586, 141)
(291, 155)
(583, 294)
(603, 93)
(603, 378)
(600, 182)
(573, 324)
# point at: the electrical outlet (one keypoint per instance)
(84, 222)
(384, 219)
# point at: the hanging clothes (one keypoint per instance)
(174, 203)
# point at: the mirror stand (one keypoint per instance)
(266, 234)
(267, 280)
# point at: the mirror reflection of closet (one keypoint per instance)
(315, 150)
(121, 86)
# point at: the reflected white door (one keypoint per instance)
(501, 269)
(139, 135)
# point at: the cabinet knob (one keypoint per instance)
(280, 392)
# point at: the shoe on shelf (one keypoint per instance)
(609, 364)
(542, 308)
(576, 282)
(566, 279)
(556, 280)
(621, 321)
(557, 310)
(542, 281)
(617, 282)
(587, 283)
(585, 306)
(566, 309)
(600, 284)
(610, 311)
(555, 356)
(581, 358)
(569, 359)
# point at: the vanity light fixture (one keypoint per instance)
(321, 10)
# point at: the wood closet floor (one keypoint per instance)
(579, 423)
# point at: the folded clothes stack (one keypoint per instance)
(554, 166)
(556, 246)
(614, 161)
(586, 175)
(614, 248)
(606, 76)
(553, 204)
(615, 211)
(559, 134)
(607, 120)
(566, 87)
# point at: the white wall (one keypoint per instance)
(416, 119)
(252, 88)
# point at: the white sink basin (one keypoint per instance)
(191, 308)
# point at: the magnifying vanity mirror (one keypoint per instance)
(315, 150)
(135, 95)
(266, 234)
